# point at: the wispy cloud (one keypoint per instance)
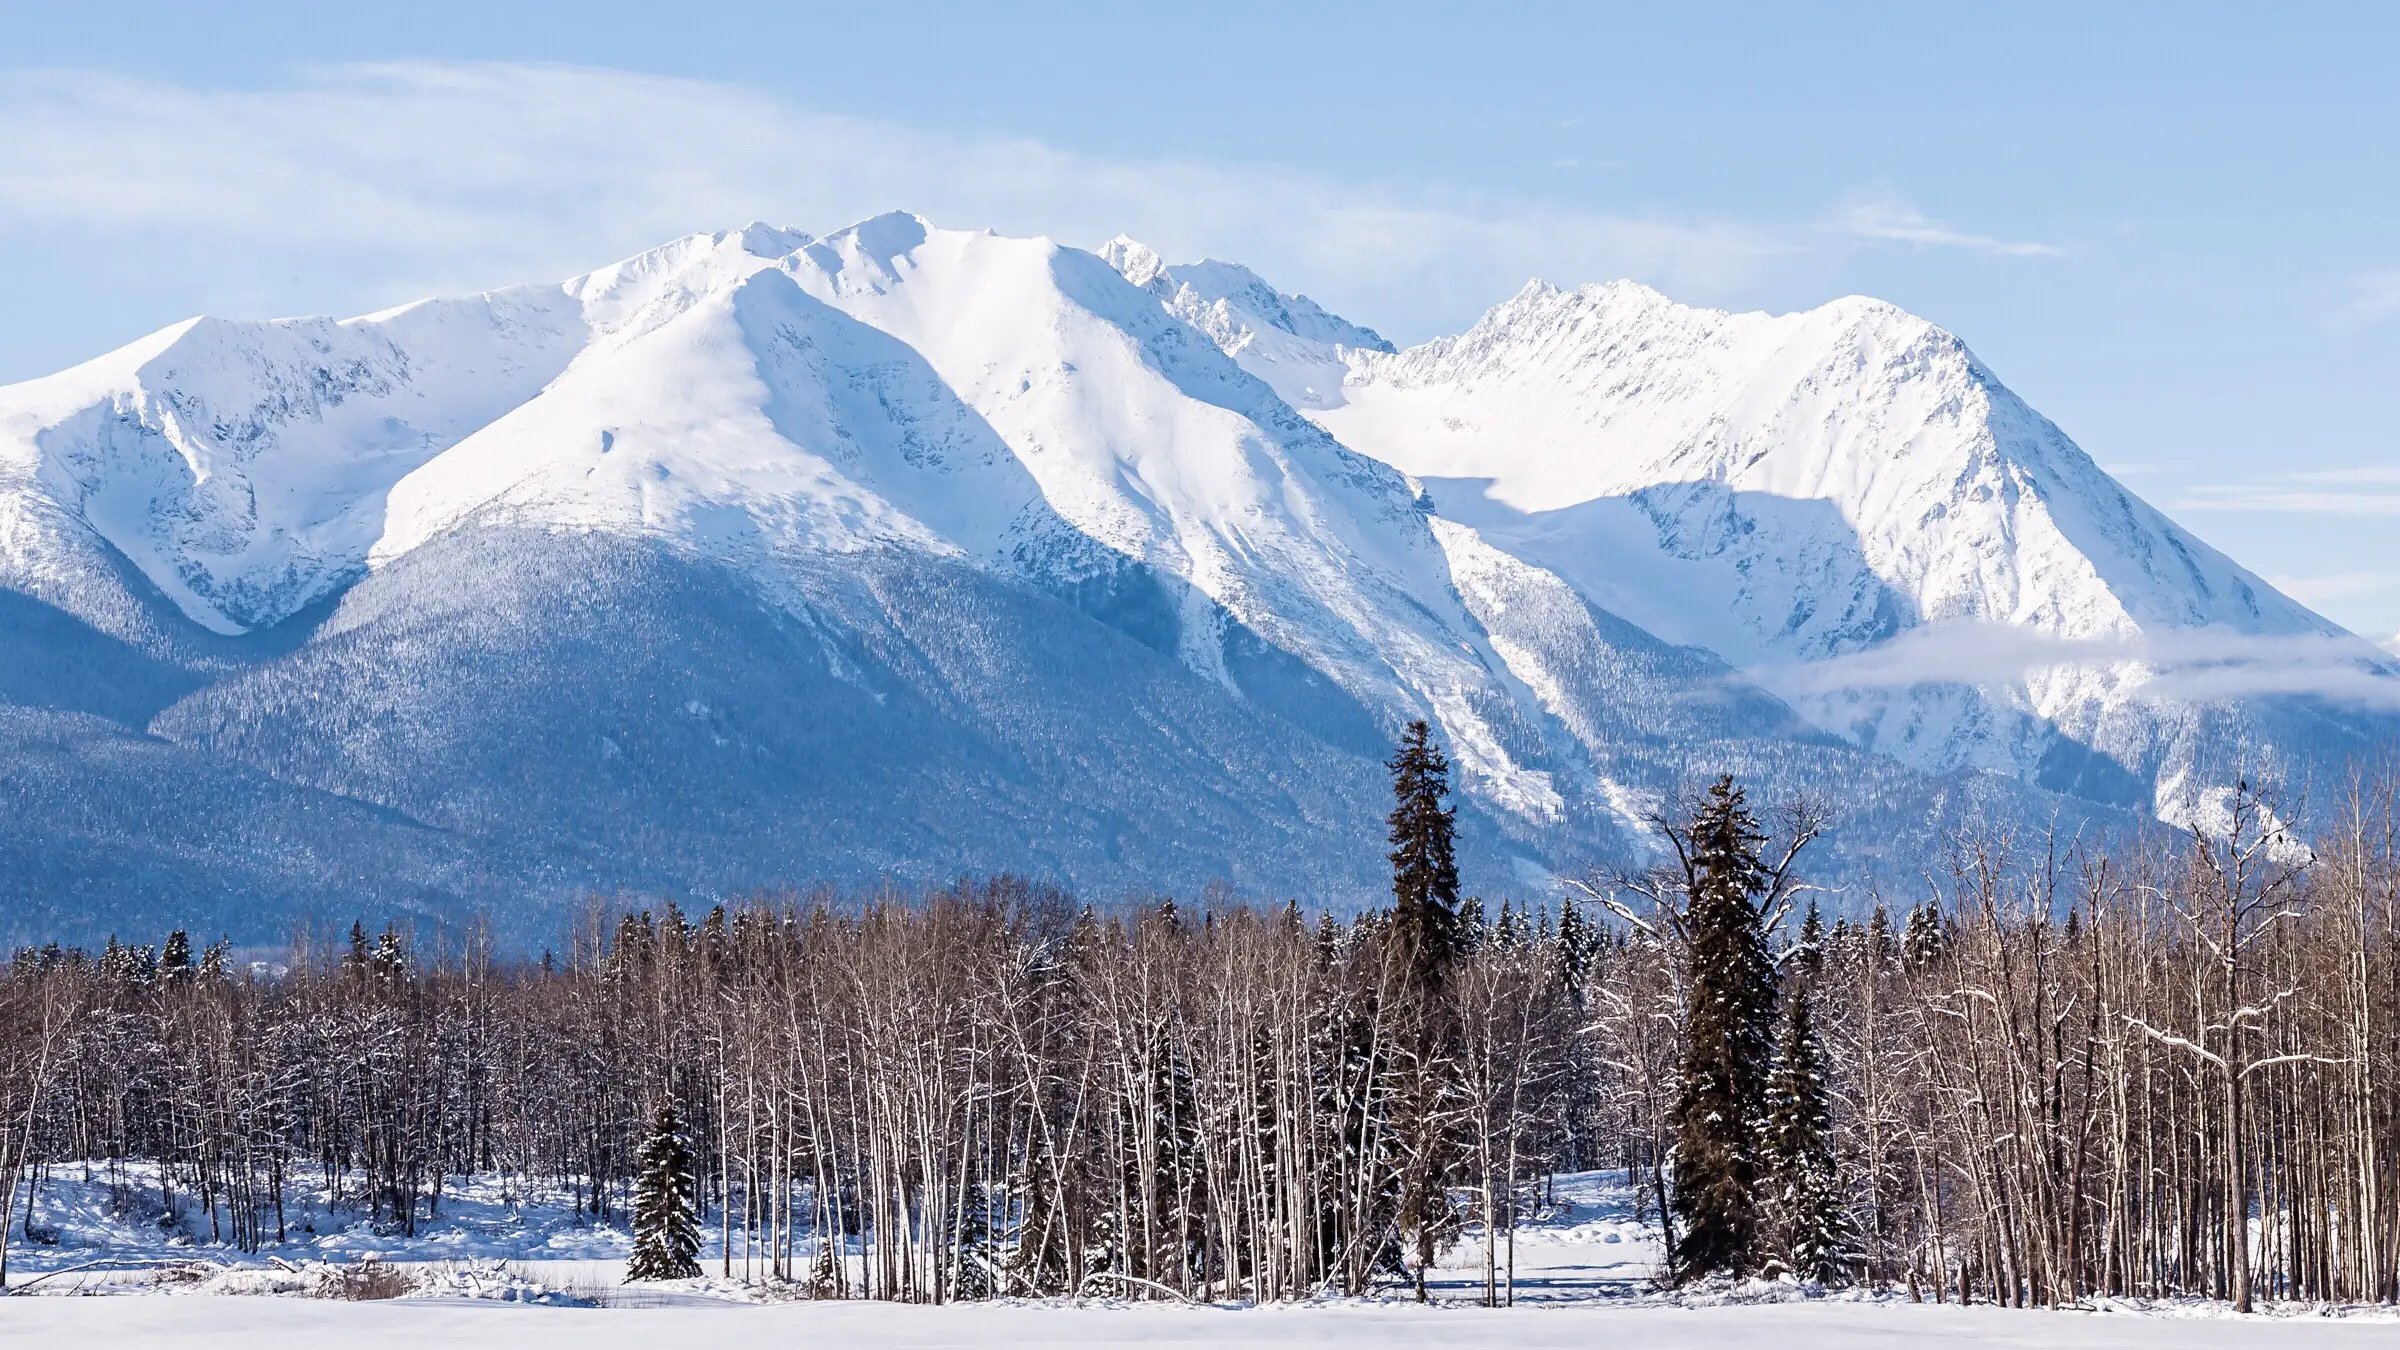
(2297, 500)
(2376, 295)
(2194, 665)
(2318, 590)
(2354, 490)
(440, 176)
(2370, 475)
(1898, 224)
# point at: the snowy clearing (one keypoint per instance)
(496, 1238)
(527, 1273)
(268, 1323)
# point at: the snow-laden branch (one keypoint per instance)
(2170, 1038)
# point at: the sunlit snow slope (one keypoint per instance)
(1847, 505)
(763, 559)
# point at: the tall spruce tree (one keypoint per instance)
(1573, 950)
(1879, 941)
(1922, 943)
(1424, 869)
(666, 1232)
(1473, 928)
(1576, 943)
(1426, 924)
(175, 959)
(1811, 953)
(1728, 1042)
(1811, 1233)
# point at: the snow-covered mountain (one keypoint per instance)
(1848, 506)
(761, 559)
(1289, 341)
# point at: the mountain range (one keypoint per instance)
(762, 560)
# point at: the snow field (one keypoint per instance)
(509, 1263)
(270, 1324)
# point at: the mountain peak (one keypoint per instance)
(1621, 289)
(1794, 491)
(1290, 341)
(887, 236)
(1665, 535)
(1138, 262)
(772, 241)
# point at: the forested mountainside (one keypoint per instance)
(762, 559)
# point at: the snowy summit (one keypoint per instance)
(906, 551)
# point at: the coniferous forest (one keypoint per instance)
(2045, 1069)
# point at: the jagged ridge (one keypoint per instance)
(906, 551)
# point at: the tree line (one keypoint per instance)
(2048, 1070)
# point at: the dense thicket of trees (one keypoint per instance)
(2044, 1071)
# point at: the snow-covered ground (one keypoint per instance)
(266, 1324)
(1586, 1245)
(117, 1235)
(128, 1220)
(507, 1263)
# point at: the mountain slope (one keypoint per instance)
(1289, 341)
(241, 466)
(1851, 508)
(763, 559)
(631, 715)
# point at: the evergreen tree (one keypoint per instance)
(972, 1262)
(1845, 947)
(1812, 945)
(1572, 951)
(1811, 1233)
(666, 1232)
(1472, 929)
(175, 959)
(1427, 926)
(1921, 945)
(1728, 1042)
(1424, 871)
(1575, 946)
(1879, 941)
(1508, 933)
(390, 961)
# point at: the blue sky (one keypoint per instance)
(2170, 227)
